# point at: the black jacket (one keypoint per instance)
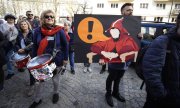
(27, 41)
(163, 78)
(3, 43)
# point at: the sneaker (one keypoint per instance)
(35, 104)
(85, 70)
(72, 71)
(31, 91)
(89, 69)
(55, 98)
(9, 76)
(118, 97)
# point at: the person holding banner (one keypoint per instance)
(118, 51)
(50, 39)
(126, 10)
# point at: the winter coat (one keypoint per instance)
(3, 43)
(27, 41)
(163, 78)
(61, 44)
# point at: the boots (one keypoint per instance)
(109, 99)
(35, 104)
(118, 97)
(55, 98)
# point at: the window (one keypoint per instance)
(173, 20)
(161, 6)
(177, 6)
(114, 5)
(143, 18)
(100, 5)
(144, 5)
(158, 19)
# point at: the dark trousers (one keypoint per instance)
(103, 67)
(166, 102)
(32, 79)
(1, 77)
(114, 75)
(87, 64)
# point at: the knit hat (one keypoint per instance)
(9, 16)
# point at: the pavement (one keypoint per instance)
(82, 90)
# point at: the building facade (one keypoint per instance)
(149, 10)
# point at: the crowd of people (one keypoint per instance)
(18, 36)
(162, 84)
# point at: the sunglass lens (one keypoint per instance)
(48, 16)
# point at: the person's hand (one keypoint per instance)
(102, 62)
(10, 29)
(140, 36)
(65, 62)
(21, 51)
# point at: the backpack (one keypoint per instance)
(139, 60)
(138, 64)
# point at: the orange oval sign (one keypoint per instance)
(90, 30)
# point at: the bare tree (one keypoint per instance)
(84, 6)
(78, 8)
(56, 3)
(73, 9)
(38, 7)
(2, 8)
(15, 6)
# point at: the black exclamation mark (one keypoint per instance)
(90, 27)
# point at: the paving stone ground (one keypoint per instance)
(82, 90)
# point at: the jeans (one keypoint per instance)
(71, 60)
(32, 79)
(10, 67)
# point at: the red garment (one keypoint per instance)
(67, 37)
(123, 45)
(44, 42)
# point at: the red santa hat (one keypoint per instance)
(118, 24)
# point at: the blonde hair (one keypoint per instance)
(44, 13)
(26, 21)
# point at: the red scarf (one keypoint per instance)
(44, 42)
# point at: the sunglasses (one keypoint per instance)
(48, 17)
(30, 14)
